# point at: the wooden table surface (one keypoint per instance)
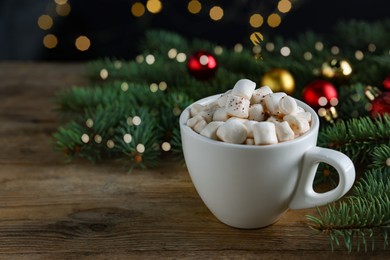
(55, 210)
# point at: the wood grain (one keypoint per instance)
(79, 210)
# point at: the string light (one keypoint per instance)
(162, 86)
(319, 46)
(61, 2)
(194, 6)
(166, 146)
(269, 46)
(256, 20)
(256, 49)
(140, 148)
(285, 51)
(153, 87)
(218, 50)
(50, 41)
(85, 138)
(216, 13)
(127, 138)
(63, 9)
(371, 47)
(359, 55)
(154, 6)
(274, 20)
(45, 22)
(181, 57)
(139, 59)
(176, 111)
(284, 6)
(335, 50)
(150, 59)
(238, 48)
(308, 56)
(172, 53)
(103, 74)
(110, 144)
(98, 139)
(89, 123)
(124, 86)
(138, 9)
(117, 64)
(136, 120)
(82, 43)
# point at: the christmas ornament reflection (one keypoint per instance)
(202, 65)
(279, 80)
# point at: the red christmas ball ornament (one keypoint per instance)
(386, 83)
(202, 65)
(380, 105)
(320, 93)
(380, 101)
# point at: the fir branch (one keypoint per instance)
(361, 218)
(353, 103)
(381, 158)
(356, 137)
(104, 135)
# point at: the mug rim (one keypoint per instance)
(314, 127)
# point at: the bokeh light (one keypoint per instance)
(194, 6)
(284, 6)
(256, 20)
(216, 13)
(137, 9)
(82, 43)
(274, 20)
(63, 9)
(45, 22)
(154, 6)
(50, 41)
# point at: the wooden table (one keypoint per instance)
(53, 210)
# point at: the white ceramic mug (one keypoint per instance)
(251, 186)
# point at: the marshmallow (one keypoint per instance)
(244, 88)
(232, 132)
(210, 130)
(200, 125)
(284, 132)
(259, 94)
(264, 133)
(274, 120)
(213, 105)
(298, 124)
(241, 120)
(220, 114)
(300, 109)
(245, 115)
(272, 102)
(237, 106)
(196, 108)
(223, 98)
(207, 115)
(288, 105)
(193, 120)
(304, 115)
(256, 112)
(250, 141)
(249, 125)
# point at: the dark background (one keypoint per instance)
(115, 32)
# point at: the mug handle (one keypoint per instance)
(305, 196)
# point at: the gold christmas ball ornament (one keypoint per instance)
(279, 80)
(338, 69)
